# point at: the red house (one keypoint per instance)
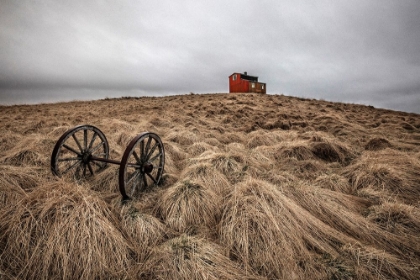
(239, 82)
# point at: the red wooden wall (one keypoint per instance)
(238, 85)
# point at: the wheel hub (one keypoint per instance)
(147, 167)
(86, 157)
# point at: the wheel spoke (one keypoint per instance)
(71, 149)
(136, 174)
(90, 169)
(77, 171)
(133, 165)
(97, 147)
(155, 157)
(133, 190)
(70, 167)
(146, 151)
(135, 186)
(93, 140)
(151, 177)
(145, 181)
(141, 149)
(68, 159)
(85, 136)
(152, 150)
(137, 157)
(77, 142)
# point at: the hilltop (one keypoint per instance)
(254, 187)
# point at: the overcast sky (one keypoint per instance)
(358, 51)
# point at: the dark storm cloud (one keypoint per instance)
(351, 51)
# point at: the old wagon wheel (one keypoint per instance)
(142, 165)
(73, 152)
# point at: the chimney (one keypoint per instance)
(245, 73)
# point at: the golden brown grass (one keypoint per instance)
(188, 207)
(270, 234)
(144, 231)
(189, 257)
(255, 187)
(61, 230)
(393, 173)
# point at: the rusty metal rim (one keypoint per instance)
(61, 141)
(128, 153)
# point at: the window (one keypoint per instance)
(234, 77)
(262, 86)
(253, 85)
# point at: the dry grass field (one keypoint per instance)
(254, 187)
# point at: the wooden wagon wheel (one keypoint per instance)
(75, 151)
(142, 165)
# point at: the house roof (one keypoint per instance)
(246, 77)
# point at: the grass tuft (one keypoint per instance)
(187, 257)
(189, 207)
(64, 231)
(271, 234)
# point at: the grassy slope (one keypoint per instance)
(255, 187)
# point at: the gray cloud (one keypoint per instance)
(350, 51)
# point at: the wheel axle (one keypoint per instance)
(83, 151)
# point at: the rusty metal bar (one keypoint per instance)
(105, 160)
